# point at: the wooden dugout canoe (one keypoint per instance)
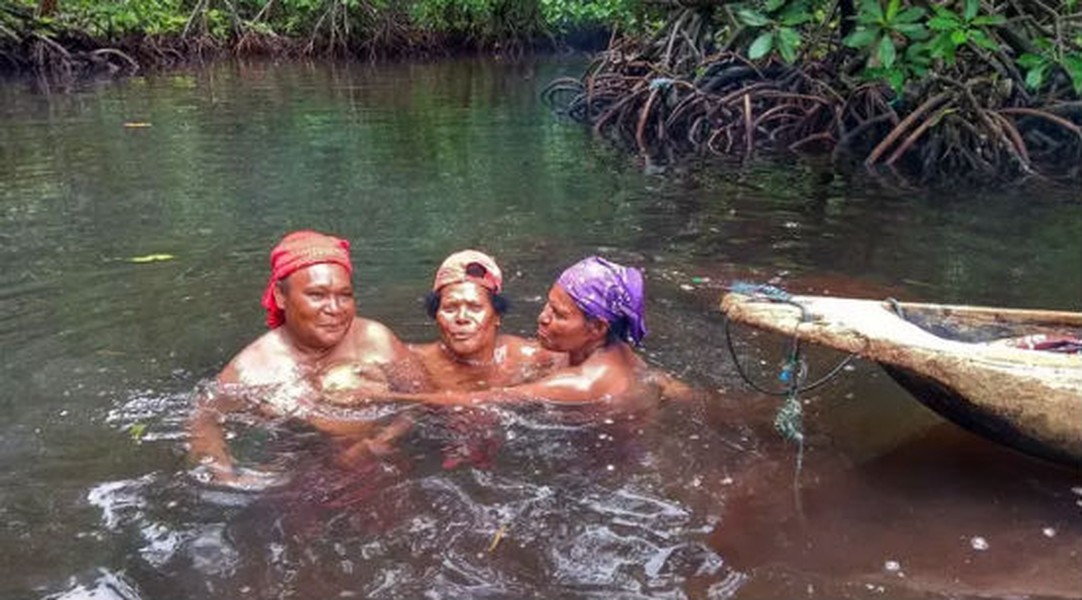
(1030, 400)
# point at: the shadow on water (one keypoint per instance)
(412, 162)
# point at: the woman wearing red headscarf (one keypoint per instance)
(313, 323)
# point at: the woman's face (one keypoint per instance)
(562, 326)
(318, 304)
(467, 320)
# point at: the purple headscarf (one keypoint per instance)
(608, 291)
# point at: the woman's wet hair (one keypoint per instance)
(432, 304)
(619, 331)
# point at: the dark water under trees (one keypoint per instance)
(412, 162)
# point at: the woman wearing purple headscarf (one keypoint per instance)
(595, 313)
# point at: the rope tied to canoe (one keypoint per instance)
(795, 369)
(789, 420)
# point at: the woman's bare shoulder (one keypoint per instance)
(264, 361)
(531, 351)
(372, 340)
(425, 350)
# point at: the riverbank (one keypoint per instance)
(956, 93)
(64, 40)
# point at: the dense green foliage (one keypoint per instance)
(476, 21)
(894, 41)
(899, 41)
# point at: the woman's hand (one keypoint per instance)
(350, 384)
(240, 479)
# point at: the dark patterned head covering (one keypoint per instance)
(608, 291)
(469, 265)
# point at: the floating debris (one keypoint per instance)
(497, 538)
(151, 258)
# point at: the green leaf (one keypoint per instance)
(896, 79)
(788, 41)
(942, 47)
(1043, 43)
(941, 23)
(1035, 77)
(943, 11)
(989, 20)
(972, 6)
(864, 18)
(873, 10)
(792, 18)
(1073, 65)
(1030, 61)
(773, 5)
(918, 55)
(753, 18)
(949, 54)
(981, 39)
(959, 36)
(913, 31)
(886, 52)
(910, 15)
(860, 38)
(761, 46)
(892, 10)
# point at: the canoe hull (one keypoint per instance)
(1025, 399)
(977, 419)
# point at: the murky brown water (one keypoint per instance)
(412, 162)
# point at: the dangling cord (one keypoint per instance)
(833, 372)
(790, 418)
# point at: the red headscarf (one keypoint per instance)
(296, 251)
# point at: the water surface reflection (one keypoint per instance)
(414, 161)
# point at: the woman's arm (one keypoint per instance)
(672, 388)
(207, 445)
(206, 436)
(573, 385)
(403, 370)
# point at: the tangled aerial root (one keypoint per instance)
(666, 97)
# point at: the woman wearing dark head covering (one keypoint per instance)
(472, 352)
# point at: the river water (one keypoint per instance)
(205, 169)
